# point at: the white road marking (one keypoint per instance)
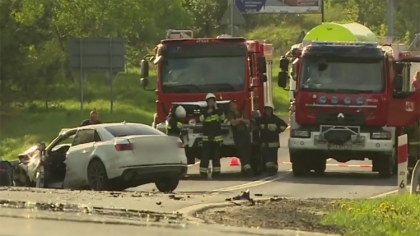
(387, 193)
(256, 183)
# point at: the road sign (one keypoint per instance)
(280, 6)
(97, 55)
(232, 15)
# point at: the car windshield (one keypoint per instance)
(349, 76)
(127, 130)
(204, 74)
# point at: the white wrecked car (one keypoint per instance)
(112, 156)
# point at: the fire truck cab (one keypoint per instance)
(349, 99)
(189, 68)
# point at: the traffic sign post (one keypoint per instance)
(97, 55)
(402, 163)
(232, 17)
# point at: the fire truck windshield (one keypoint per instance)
(204, 74)
(345, 76)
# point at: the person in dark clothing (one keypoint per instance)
(212, 117)
(270, 127)
(174, 121)
(93, 120)
(239, 123)
(256, 158)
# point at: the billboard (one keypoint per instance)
(280, 6)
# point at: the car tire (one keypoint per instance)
(97, 176)
(167, 185)
(319, 166)
(299, 166)
(6, 176)
(386, 167)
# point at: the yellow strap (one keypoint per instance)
(222, 117)
(203, 170)
(270, 164)
(247, 167)
(273, 145)
(216, 169)
(202, 118)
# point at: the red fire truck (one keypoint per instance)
(188, 68)
(351, 99)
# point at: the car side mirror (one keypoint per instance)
(282, 79)
(144, 68)
(398, 86)
(144, 82)
(263, 78)
(262, 65)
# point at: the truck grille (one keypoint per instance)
(356, 119)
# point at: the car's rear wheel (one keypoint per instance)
(97, 176)
(167, 185)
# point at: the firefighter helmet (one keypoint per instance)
(210, 95)
(180, 112)
(270, 105)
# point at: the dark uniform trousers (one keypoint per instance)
(243, 146)
(211, 142)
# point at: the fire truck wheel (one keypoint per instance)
(386, 166)
(299, 165)
(319, 166)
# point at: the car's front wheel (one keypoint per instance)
(167, 185)
(97, 176)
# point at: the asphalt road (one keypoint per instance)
(125, 212)
(352, 181)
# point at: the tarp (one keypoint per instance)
(333, 32)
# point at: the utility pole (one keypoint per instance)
(391, 18)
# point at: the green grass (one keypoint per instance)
(391, 216)
(22, 128)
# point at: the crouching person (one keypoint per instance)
(270, 127)
(174, 122)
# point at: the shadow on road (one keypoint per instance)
(342, 178)
(229, 176)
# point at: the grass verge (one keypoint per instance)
(391, 216)
(21, 128)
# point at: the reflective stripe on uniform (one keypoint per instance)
(247, 167)
(216, 169)
(414, 143)
(211, 118)
(271, 145)
(222, 117)
(218, 138)
(179, 124)
(203, 170)
(270, 164)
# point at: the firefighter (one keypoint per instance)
(270, 127)
(239, 123)
(255, 144)
(212, 117)
(174, 121)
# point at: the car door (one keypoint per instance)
(78, 157)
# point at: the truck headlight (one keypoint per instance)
(300, 133)
(381, 135)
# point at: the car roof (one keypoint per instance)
(103, 125)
